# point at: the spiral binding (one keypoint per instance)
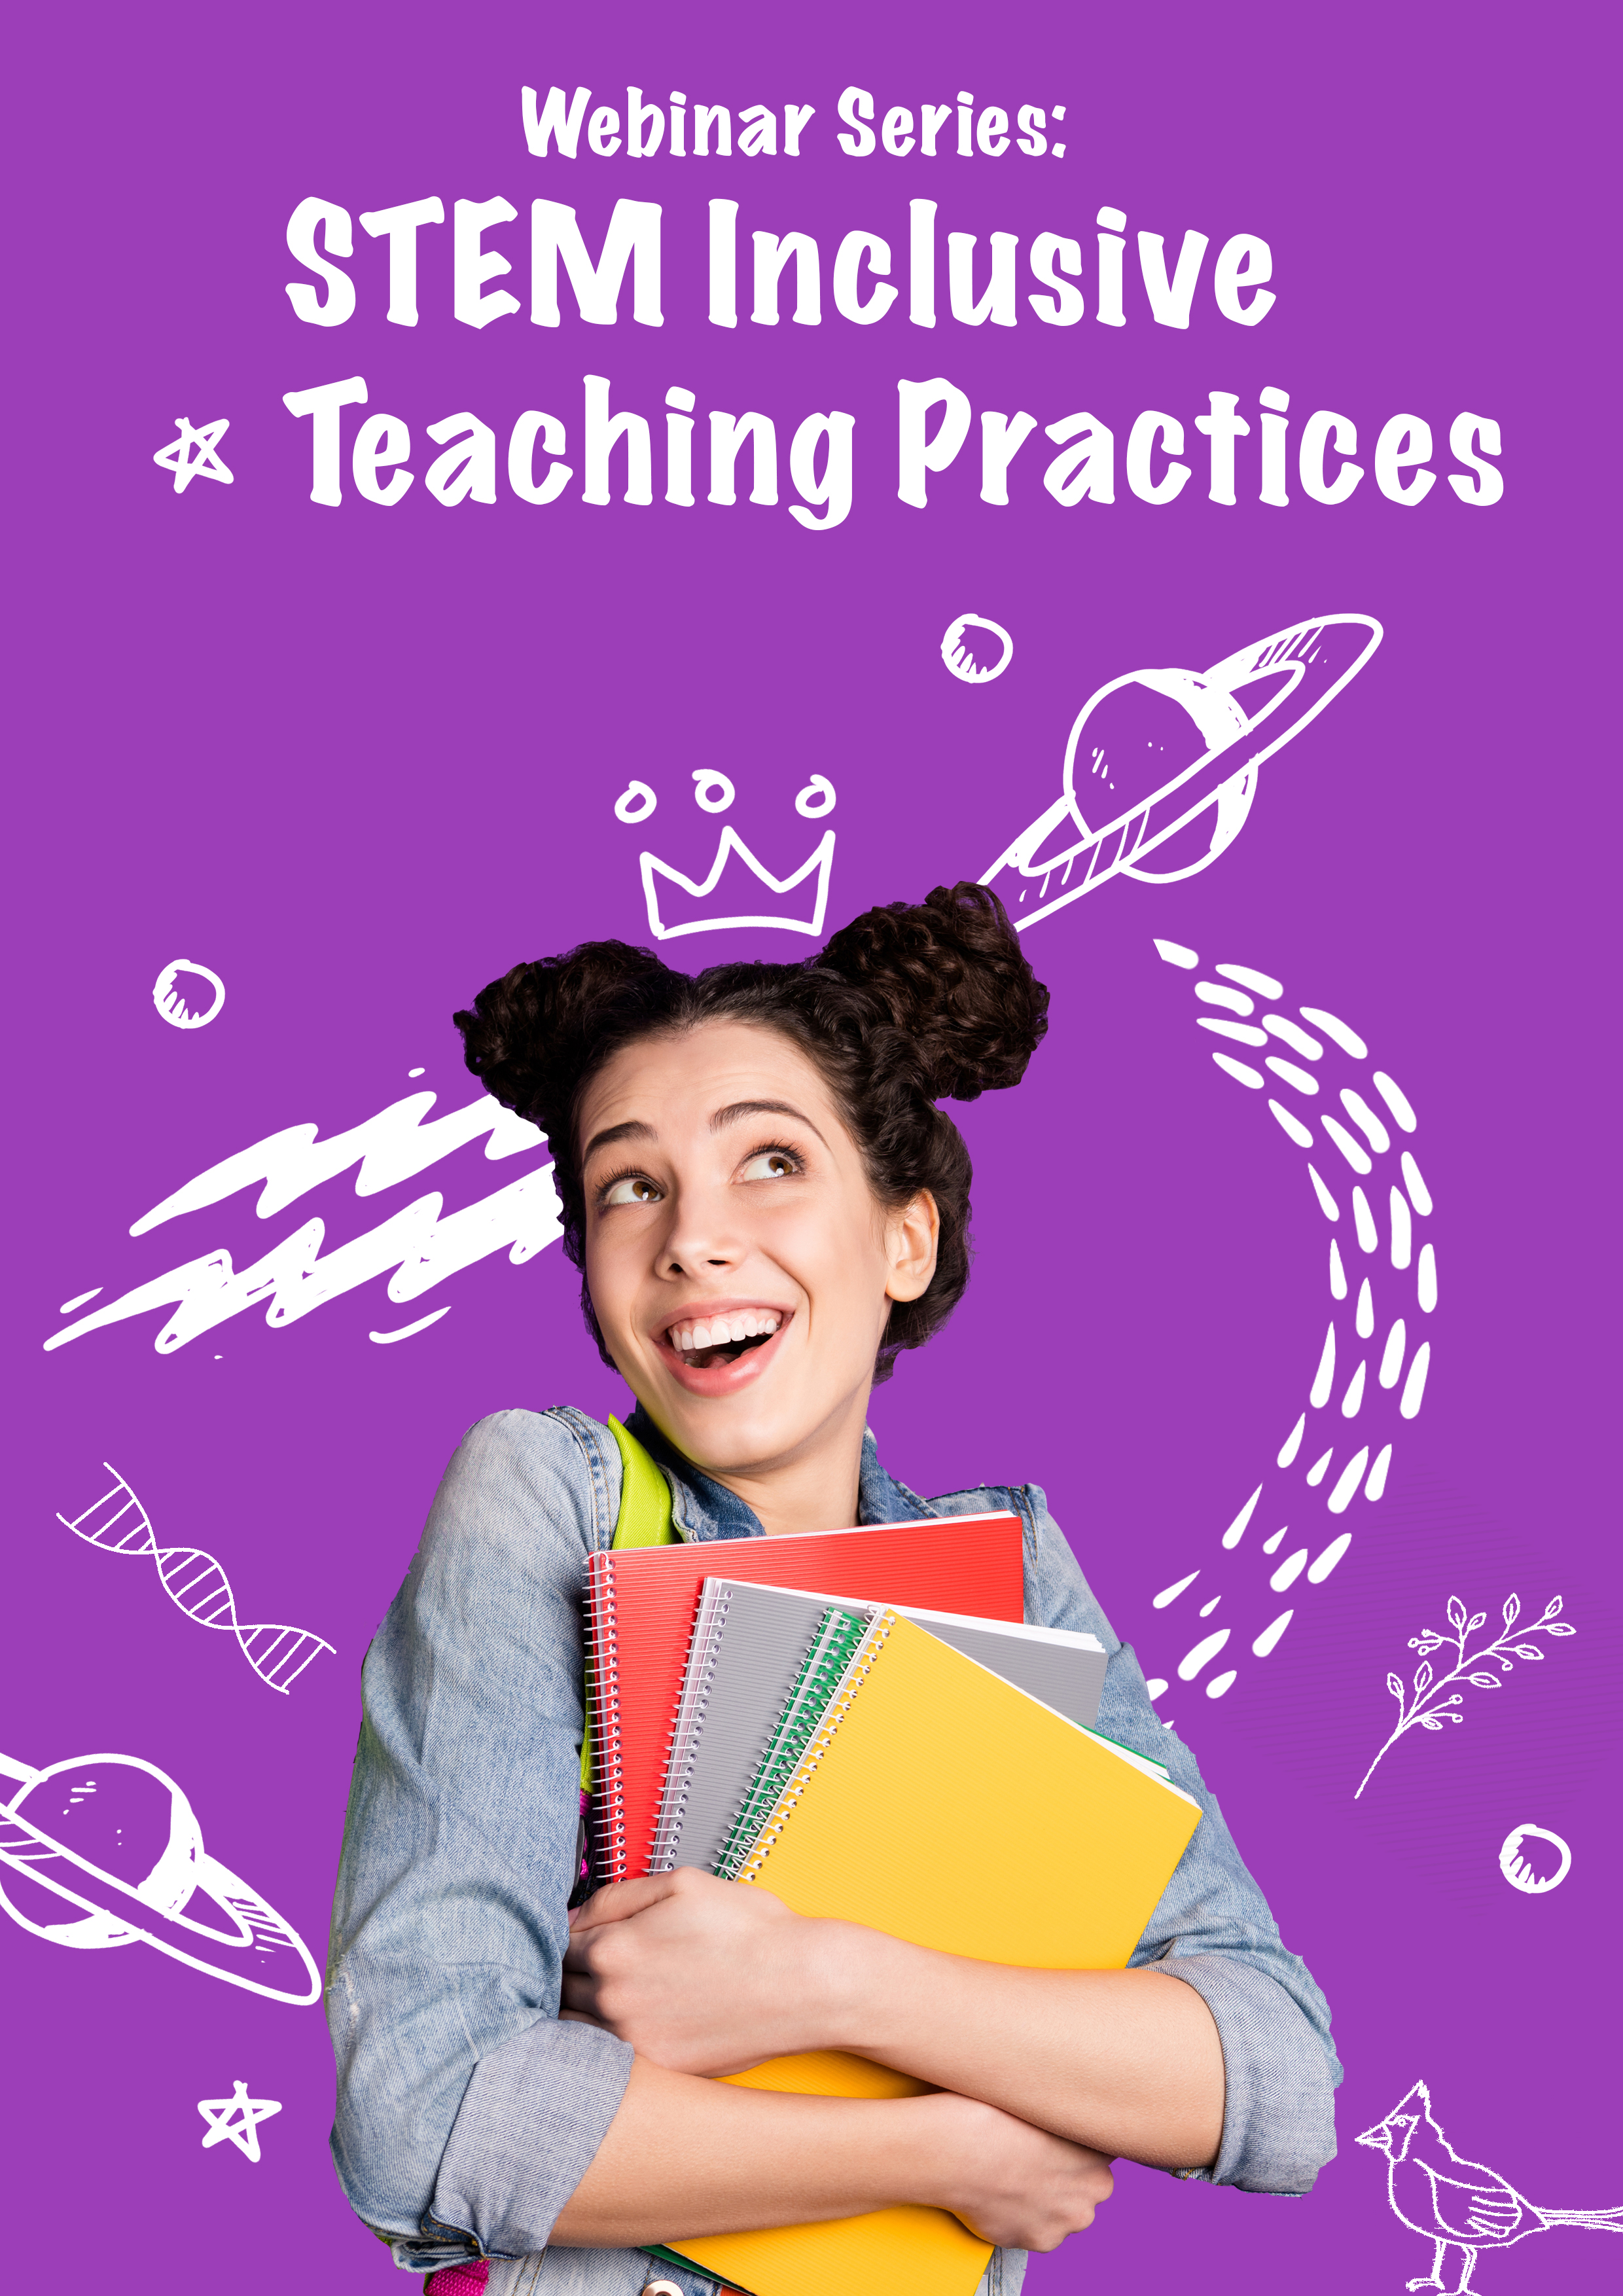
(608, 1820)
(842, 1654)
(687, 1724)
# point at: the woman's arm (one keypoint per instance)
(685, 2156)
(701, 1976)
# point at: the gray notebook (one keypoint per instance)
(749, 1645)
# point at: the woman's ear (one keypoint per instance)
(910, 1238)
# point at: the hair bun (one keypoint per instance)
(950, 974)
(529, 1031)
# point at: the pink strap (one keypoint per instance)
(458, 2279)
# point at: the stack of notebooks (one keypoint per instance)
(859, 1722)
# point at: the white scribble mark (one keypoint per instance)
(117, 1523)
(1364, 1221)
(1522, 1876)
(1170, 1594)
(1107, 822)
(713, 793)
(1338, 1031)
(1338, 1274)
(1403, 1229)
(1238, 1032)
(294, 1277)
(1272, 1545)
(1289, 1570)
(1288, 1033)
(816, 798)
(1248, 976)
(409, 1330)
(1348, 1145)
(237, 2117)
(1172, 952)
(1365, 1117)
(1420, 1196)
(817, 863)
(1365, 1319)
(80, 1300)
(1221, 1685)
(1396, 1101)
(194, 454)
(962, 653)
(1376, 1486)
(1292, 1443)
(129, 1863)
(1236, 1532)
(1320, 1468)
(1414, 1386)
(1190, 1665)
(1297, 1079)
(1269, 1639)
(1323, 1379)
(1238, 1070)
(1213, 992)
(1457, 2203)
(1391, 1360)
(1327, 1203)
(1425, 1286)
(1426, 1704)
(177, 1005)
(1293, 1128)
(634, 803)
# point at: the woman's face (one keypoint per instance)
(739, 1263)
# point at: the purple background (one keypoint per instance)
(360, 765)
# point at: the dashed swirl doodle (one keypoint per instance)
(195, 1582)
(1351, 1123)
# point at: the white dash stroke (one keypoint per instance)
(408, 1331)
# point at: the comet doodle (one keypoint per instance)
(104, 1850)
(117, 1523)
(1312, 1073)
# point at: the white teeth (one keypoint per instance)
(722, 1330)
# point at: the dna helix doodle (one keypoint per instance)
(195, 1582)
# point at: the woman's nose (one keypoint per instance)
(702, 1237)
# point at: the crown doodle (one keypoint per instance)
(800, 900)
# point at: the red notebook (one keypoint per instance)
(642, 1604)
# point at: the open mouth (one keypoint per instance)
(704, 1343)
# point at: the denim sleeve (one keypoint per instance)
(1212, 1928)
(467, 2113)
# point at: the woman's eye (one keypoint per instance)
(771, 1164)
(634, 1189)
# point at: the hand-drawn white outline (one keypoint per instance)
(1322, 657)
(635, 802)
(713, 793)
(816, 798)
(296, 1276)
(1242, 1007)
(962, 662)
(1520, 1875)
(1427, 1705)
(221, 2113)
(1458, 2203)
(204, 463)
(172, 1005)
(195, 1582)
(111, 1912)
(820, 859)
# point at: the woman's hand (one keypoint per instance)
(1010, 2183)
(703, 1976)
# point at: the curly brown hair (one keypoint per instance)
(908, 1004)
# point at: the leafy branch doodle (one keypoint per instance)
(1428, 1706)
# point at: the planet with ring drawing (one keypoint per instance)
(106, 1850)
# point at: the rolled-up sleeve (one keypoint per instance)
(466, 2112)
(1212, 1928)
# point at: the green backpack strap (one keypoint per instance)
(644, 1520)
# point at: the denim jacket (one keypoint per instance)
(467, 2111)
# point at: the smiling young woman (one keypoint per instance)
(767, 1205)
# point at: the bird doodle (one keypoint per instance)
(1457, 2203)
(195, 1582)
(1351, 1119)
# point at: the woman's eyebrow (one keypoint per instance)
(633, 1129)
(739, 1109)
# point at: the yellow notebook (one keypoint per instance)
(938, 1803)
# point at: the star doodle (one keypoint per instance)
(205, 462)
(221, 2114)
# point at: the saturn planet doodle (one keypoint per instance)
(1166, 762)
(105, 1850)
